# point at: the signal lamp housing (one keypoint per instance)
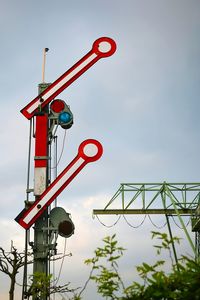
(61, 222)
(61, 113)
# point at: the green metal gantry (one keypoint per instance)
(170, 199)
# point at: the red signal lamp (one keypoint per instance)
(57, 106)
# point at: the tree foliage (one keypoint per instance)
(179, 283)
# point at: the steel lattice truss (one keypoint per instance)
(153, 198)
(178, 199)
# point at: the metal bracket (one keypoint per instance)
(28, 204)
(41, 157)
(29, 190)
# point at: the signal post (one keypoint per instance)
(41, 180)
(49, 112)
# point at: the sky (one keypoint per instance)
(142, 104)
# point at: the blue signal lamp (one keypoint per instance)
(64, 118)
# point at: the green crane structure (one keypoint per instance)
(169, 199)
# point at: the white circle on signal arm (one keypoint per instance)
(104, 47)
(90, 150)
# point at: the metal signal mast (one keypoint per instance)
(45, 114)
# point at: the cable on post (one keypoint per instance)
(63, 258)
(27, 232)
(61, 153)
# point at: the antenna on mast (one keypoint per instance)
(44, 64)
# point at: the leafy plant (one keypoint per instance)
(108, 280)
(180, 283)
(42, 286)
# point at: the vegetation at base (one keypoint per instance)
(181, 283)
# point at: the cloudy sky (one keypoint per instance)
(142, 104)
